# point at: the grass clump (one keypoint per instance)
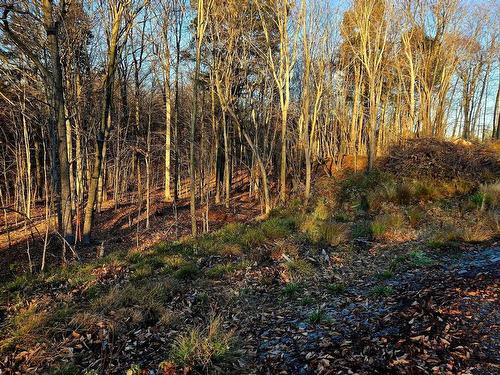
(321, 211)
(385, 223)
(488, 196)
(361, 230)
(420, 259)
(146, 295)
(317, 316)
(299, 268)
(188, 271)
(199, 348)
(275, 228)
(382, 291)
(445, 237)
(337, 288)
(220, 270)
(415, 216)
(291, 289)
(385, 275)
(318, 231)
(67, 370)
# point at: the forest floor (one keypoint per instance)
(377, 274)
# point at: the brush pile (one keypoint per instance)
(444, 160)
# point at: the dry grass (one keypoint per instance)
(200, 347)
(384, 224)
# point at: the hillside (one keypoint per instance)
(379, 273)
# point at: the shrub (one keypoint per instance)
(201, 347)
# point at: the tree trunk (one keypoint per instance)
(51, 27)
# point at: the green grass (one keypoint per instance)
(306, 301)
(385, 275)
(292, 289)
(188, 271)
(299, 268)
(420, 259)
(317, 316)
(336, 288)
(220, 270)
(361, 230)
(382, 291)
(201, 347)
(384, 223)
